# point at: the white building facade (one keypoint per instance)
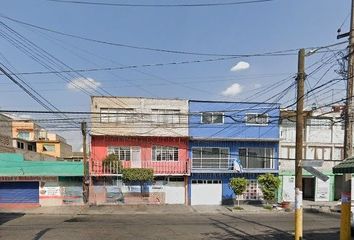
(323, 140)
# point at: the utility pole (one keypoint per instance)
(345, 231)
(86, 178)
(299, 143)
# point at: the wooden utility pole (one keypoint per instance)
(345, 230)
(299, 143)
(86, 178)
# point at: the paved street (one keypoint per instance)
(160, 226)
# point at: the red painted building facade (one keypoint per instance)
(165, 155)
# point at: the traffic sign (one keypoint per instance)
(316, 173)
(311, 163)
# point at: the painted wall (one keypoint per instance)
(32, 128)
(234, 149)
(227, 193)
(234, 125)
(143, 125)
(100, 144)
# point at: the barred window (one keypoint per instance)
(163, 153)
(123, 153)
(257, 119)
(256, 157)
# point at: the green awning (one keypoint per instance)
(347, 166)
(12, 164)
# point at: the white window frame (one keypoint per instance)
(212, 115)
(271, 158)
(48, 144)
(119, 148)
(117, 115)
(257, 124)
(25, 132)
(165, 116)
(172, 148)
(219, 157)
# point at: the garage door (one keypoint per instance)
(175, 192)
(19, 192)
(206, 192)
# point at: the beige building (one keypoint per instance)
(30, 137)
(136, 116)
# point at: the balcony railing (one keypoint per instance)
(159, 167)
(215, 164)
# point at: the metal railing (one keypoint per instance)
(181, 167)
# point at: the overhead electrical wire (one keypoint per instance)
(233, 3)
(265, 54)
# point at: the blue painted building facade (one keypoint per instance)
(230, 139)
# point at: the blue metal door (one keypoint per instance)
(19, 192)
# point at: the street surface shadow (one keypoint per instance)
(41, 233)
(6, 217)
(229, 232)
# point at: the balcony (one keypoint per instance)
(160, 168)
(225, 165)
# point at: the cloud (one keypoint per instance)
(88, 84)
(240, 66)
(233, 90)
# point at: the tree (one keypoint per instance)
(238, 185)
(112, 163)
(138, 175)
(269, 185)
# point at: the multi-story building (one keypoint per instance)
(323, 140)
(30, 137)
(230, 139)
(143, 133)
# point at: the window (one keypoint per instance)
(212, 117)
(256, 119)
(119, 115)
(20, 145)
(317, 123)
(319, 153)
(165, 116)
(30, 148)
(48, 148)
(162, 153)
(123, 153)
(256, 157)
(24, 135)
(207, 157)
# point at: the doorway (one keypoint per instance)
(136, 157)
(308, 188)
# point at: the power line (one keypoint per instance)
(161, 5)
(274, 53)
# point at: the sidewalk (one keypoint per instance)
(165, 209)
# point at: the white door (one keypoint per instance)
(206, 192)
(175, 193)
(136, 157)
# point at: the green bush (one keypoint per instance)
(138, 175)
(238, 185)
(112, 163)
(269, 185)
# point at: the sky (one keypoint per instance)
(235, 29)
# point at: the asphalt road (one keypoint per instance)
(159, 226)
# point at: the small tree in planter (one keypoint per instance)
(138, 175)
(269, 185)
(112, 163)
(238, 185)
